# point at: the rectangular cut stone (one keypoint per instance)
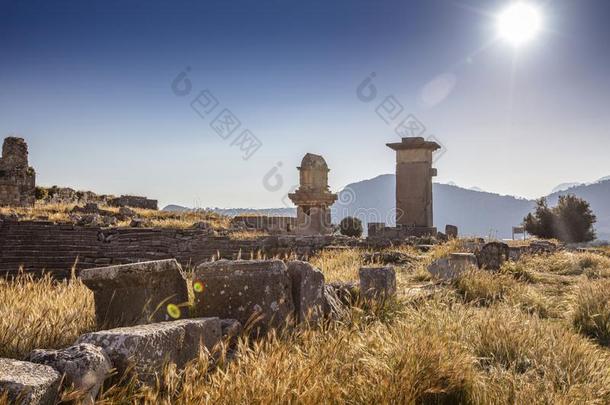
(307, 291)
(28, 383)
(138, 293)
(450, 267)
(147, 348)
(377, 282)
(245, 290)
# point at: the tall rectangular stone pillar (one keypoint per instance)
(414, 174)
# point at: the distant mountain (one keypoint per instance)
(474, 212)
(175, 208)
(564, 186)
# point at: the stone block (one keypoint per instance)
(145, 349)
(307, 291)
(28, 383)
(450, 267)
(255, 292)
(377, 282)
(451, 231)
(137, 293)
(493, 255)
(84, 366)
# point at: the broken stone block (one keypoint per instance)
(28, 383)
(307, 291)
(450, 267)
(377, 282)
(255, 292)
(145, 349)
(451, 231)
(137, 293)
(84, 366)
(493, 255)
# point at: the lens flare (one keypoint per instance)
(198, 286)
(173, 310)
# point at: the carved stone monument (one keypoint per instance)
(313, 197)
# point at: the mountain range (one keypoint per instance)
(474, 212)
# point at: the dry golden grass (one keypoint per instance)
(42, 313)
(530, 342)
(591, 314)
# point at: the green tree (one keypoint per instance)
(351, 226)
(570, 221)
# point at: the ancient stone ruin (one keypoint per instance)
(313, 197)
(134, 202)
(414, 174)
(17, 178)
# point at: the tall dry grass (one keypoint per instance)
(447, 348)
(42, 313)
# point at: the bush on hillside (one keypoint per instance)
(570, 221)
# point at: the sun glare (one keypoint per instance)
(519, 23)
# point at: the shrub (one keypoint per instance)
(570, 221)
(41, 193)
(591, 314)
(351, 226)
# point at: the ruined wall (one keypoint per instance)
(43, 245)
(17, 179)
(134, 201)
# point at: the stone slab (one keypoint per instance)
(137, 293)
(28, 383)
(307, 291)
(377, 282)
(147, 348)
(257, 293)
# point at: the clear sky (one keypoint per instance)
(90, 85)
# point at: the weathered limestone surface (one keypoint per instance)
(244, 290)
(450, 267)
(493, 255)
(84, 366)
(28, 383)
(313, 197)
(147, 348)
(307, 291)
(137, 293)
(17, 178)
(377, 282)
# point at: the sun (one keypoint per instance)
(519, 23)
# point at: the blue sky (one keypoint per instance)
(89, 85)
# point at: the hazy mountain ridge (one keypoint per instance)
(474, 212)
